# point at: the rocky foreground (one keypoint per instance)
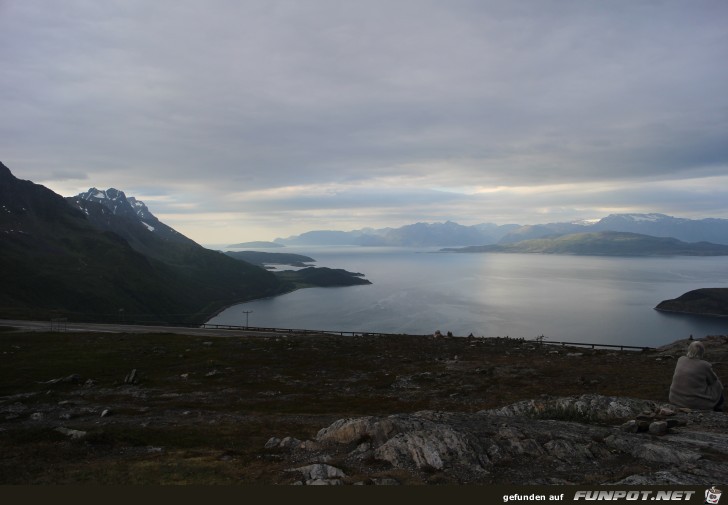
(571, 440)
(291, 409)
(551, 440)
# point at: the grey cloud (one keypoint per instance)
(264, 93)
(68, 175)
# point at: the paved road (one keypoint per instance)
(220, 332)
(124, 328)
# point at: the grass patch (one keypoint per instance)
(202, 408)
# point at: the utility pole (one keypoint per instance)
(246, 312)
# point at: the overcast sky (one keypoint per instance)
(240, 120)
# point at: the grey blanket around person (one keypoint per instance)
(695, 385)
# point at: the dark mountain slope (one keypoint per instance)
(130, 228)
(127, 216)
(57, 261)
(208, 273)
(52, 259)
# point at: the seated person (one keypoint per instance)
(694, 384)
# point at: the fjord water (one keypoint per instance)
(607, 300)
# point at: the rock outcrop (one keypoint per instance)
(566, 440)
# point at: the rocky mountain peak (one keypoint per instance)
(113, 210)
(141, 210)
(112, 198)
(120, 205)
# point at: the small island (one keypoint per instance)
(704, 302)
(263, 259)
(322, 277)
(257, 244)
(307, 276)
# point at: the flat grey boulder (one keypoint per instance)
(320, 474)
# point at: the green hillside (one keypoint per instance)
(604, 244)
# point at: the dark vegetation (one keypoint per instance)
(706, 301)
(61, 260)
(306, 276)
(322, 277)
(202, 408)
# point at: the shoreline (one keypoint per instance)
(294, 287)
(688, 313)
(227, 306)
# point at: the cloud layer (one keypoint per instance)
(250, 120)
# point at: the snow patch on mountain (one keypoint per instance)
(653, 218)
(127, 209)
(112, 199)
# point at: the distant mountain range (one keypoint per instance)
(101, 255)
(413, 235)
(603, 243)
(450, 234)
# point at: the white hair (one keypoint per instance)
(696, 350)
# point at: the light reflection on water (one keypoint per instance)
(566, 298)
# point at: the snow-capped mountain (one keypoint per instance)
(131, 219)
(112, 198)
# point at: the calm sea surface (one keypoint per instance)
(565, 298)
